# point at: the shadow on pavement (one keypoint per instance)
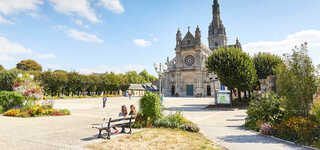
(258, 139)
(199, 108)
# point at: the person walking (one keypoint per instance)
(104, 101)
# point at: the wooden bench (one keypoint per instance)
(122, 122)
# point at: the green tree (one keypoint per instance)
(1, 68)
(74, 83)
(54, 82)
(147, 77)
(7, 78)
(265, 64)
(296, 81)
(29, 65)
(134, 77)
(234, 68)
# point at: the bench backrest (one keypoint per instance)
(122, 119)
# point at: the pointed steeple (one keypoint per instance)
(217, 32)
(216, 8)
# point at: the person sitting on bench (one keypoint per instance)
(133, 111)
(123, 114)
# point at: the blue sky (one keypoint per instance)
(122, 35)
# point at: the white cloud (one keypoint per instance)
(83, 36)
(47, 56)
(80, 23)
(13, 6)
(5, 21)
(112, 5)
(115, 69)
(78, 7)
(284, 46)
(142, 43)
(8, 47)
(6, 58)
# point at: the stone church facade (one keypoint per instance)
(187, 74)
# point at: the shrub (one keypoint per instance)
(12, 112)
(316, 111)
(10, 100)
(177, 121)
(150, 107)
(265, 109)
(299, 130)
(190, 127)
(296, 82)
(1, 109)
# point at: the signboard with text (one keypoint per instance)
(224, 97)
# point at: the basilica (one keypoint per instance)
(187, 74)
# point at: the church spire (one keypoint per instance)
(216, 8)
(217, 32)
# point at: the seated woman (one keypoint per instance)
(133, 111)
(124, 111)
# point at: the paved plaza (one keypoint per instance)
(73, 132)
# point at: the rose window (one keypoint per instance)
(189, 60)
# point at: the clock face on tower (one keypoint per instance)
(189, 60)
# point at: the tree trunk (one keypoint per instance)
(239, 95)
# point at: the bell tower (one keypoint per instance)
(217, 32)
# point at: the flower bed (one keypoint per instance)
(36, 111)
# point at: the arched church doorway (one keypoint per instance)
(208, 90)
(173, 90)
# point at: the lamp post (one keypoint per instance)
(214, 78)
(160, 70)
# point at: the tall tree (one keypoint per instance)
(296, 81)
(147, 77)
(134, 77)
(29, 65)
(265, 64)
(234, 68)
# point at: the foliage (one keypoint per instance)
(299, 130)
(36, 111)
(29, 65)
(316, 111)
(265, 109)
(147, 77)
(296, 82)
(1, 67)
(234, 68)
(177, 121)
(12, 112)
(7, 78)
(265, 64)
(10, 100)
(150, 106)
(25, 85)
(54, 82)
(1, 109)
